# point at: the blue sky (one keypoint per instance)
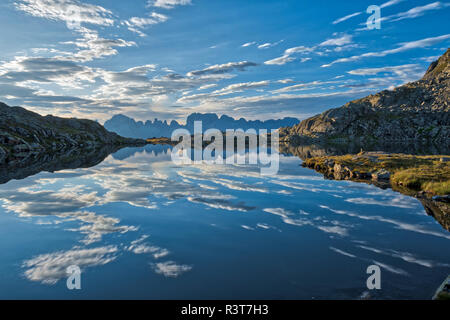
(257, 59)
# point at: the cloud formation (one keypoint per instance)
(69, 11)
(136, 24)
(223, 68)
(168, 4)
(339, 42)
(405, 46)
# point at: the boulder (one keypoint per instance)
(381, 175)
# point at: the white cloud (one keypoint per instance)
(410, 14)
(384, 5)
(304, 86)
(207, 86)
(404, 72)
(405, 46)
(285, 81)
(239, 87)
(223, 68)
(390, 3)
(280, 60)
(340, 41)
(418, 11)
(168, 4)
(26, 71)
(346, 17)
(135, 24)
(91, 46)
(248, 44)
(268, 45)
(69, 11)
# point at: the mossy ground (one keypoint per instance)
(418, 173)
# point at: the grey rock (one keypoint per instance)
(381, 175)
(417, 111)
(24, 134)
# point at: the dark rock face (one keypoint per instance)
(417, 111)
(25, 134)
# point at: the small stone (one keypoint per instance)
(382, 174)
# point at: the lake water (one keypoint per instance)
(140, 227)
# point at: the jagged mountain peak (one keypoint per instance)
(439, 68)
(149, 129)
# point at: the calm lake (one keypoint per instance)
(141, 227)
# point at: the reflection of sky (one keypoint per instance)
(139, 219)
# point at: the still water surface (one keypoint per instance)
(141, 227)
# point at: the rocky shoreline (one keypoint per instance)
(426, 178)
(25, 135)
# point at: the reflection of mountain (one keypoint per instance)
(309, 150)
(72, 159)
(128, 127)
(154, 150)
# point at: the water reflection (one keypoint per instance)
(139, 218)
(305, 151)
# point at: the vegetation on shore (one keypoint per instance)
(430, 174)
(161, 141)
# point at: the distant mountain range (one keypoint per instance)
(128, 127)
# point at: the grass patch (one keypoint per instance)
(418, 173)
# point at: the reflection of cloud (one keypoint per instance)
(342, 252)
(221, 204)
(391, 268)
(288, 217)
(279, 212)
(137, 247)
(68, 204)
(334, 229)
(136, 197)
(399, 202)
(398, 224)
(96, 226)
(406, 256)
(171, 269)
(50, 268)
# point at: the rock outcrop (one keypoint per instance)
(25, 134)
(417, 111)
(423, 177)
